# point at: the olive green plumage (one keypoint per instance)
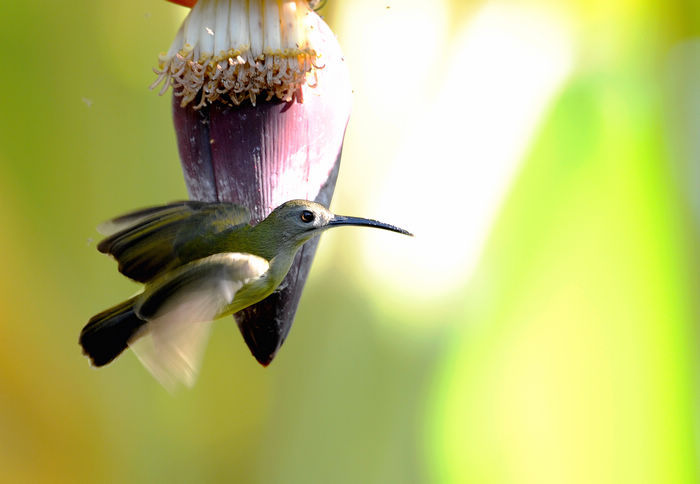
(151, 241)
(198, 261)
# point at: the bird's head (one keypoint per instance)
(297, 221)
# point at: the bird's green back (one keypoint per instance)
(152, 241)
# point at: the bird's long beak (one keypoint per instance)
(365, 222)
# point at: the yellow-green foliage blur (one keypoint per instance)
(540, 328)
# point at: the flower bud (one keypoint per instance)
(261, 99)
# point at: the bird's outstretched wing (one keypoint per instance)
(132, 219)
(179, 308)
(148, 242)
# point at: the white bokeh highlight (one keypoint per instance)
(458, 151)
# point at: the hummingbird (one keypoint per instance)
(198, 261)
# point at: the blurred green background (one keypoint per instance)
(540, 328)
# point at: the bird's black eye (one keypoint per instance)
(307, 216)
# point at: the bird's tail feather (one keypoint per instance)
(108, 333)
